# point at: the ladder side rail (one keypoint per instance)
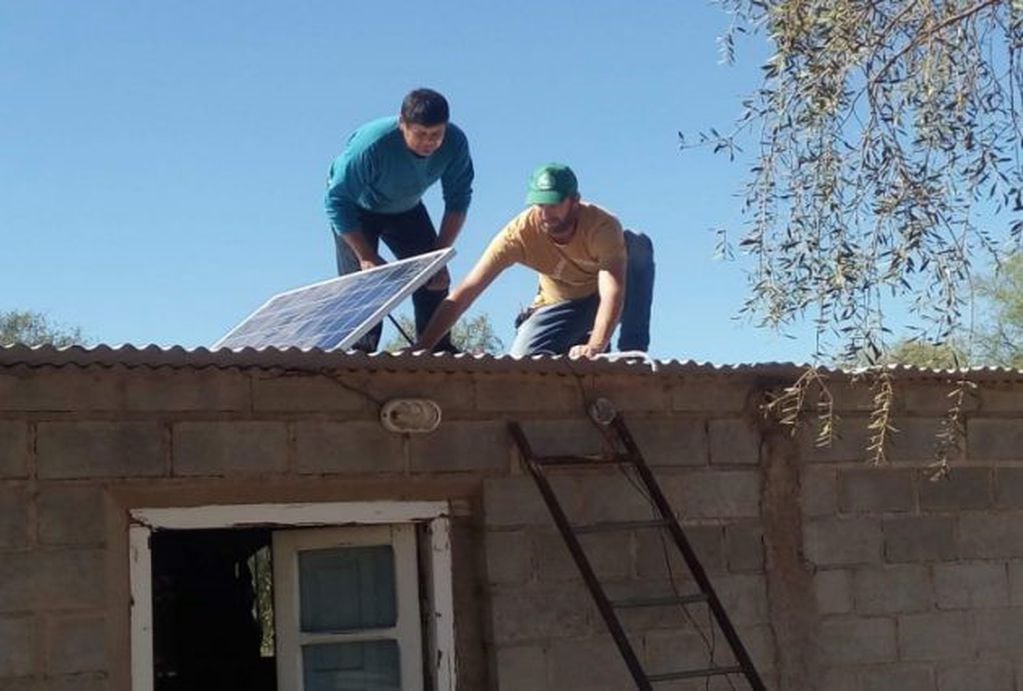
(581, 561)
(664, 508)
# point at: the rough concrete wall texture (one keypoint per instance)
(837, 575)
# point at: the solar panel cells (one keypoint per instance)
(334, 314)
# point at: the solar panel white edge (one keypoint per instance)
(434, 262)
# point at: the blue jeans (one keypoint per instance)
(554, 329)
(406, 234)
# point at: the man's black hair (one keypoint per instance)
(424, 107)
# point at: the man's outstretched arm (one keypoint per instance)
(611, 288)
(457, 303)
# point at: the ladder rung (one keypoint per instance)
(695, 673)
(618, 525)
(576, 461)
(659, 601)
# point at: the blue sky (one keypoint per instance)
(163, 163)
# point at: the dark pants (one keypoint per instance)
(406, 234)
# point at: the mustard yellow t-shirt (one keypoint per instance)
(569, 271)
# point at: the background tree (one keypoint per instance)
(881, 129)
(34, 328)
(995, 341)
(999, 339)
(473, 335)
(940, 356)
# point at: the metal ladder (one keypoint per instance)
(612, 426)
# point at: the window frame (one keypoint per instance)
(434, 515)
(407, 631)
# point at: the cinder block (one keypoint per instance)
(90, 681)
(818, 491)
(995, 397)
(656, 552)
(939, 636)
(186, 390)
(636, 620)
(1009, 488)
(848, 444)
(833, 591)
(64, 389)
(897, 678)
(13, 449)
(835, 678)
(990, 675)
(873, 490)
(509, 557)
(744, 597)
(68, 450)
(75, 645)
(994, 439)
(837, 542)
(17, 646)
(514, 393)
(892, 590)
(971, 586)
(14, 518)
(985, 535)
(52, 580)
(734, 442)
(347, 447)
(611, 496)
(541, 614)
(455, 393)
(760, 644)
(998, 631)
(608, 553)
(229, 447)
(575, 436)
(915, 440)
(1015, 582)
(674, 650)
(521, 667)
(709, 395)
(461, 445)
(339, 392)
(671, 441)
(919, 538)
(587, 664)
(962, 488)
(714, 494)
(744, 547)
(849, 397)
(515, 501)
(851, 641)
(628, 395)
(70, 515)
(933, 398)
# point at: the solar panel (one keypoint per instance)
(334, 314)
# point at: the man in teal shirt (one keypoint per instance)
(376, 189)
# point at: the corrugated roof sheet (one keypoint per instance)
(292, 358)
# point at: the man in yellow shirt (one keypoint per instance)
(579, 251)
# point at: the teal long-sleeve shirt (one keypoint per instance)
(378, 172)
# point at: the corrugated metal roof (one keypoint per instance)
(292, 358)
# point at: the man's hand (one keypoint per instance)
(370, 263)
(585, 350)
(440, 281)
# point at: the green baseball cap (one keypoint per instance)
(551, 183)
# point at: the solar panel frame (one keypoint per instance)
(308, 317)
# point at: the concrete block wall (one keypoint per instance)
(913, 576)
(837, 575)
(705, 449)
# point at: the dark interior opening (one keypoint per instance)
(212, 610)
